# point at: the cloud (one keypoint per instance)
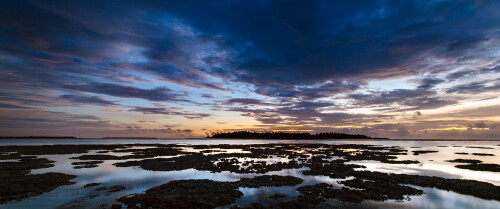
(427, 103)
(156, 94)
(47, 121)
(314, 60)
(166, 111)
(479, 125)
(389, 97)
(92, 100)
(428, 83)
(158, 130)
(12, 106)
(476, 87)
(244, 101)
(465, 43)
(297, 43)
(460, 74)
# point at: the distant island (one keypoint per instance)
(286, 135)
(37, 137)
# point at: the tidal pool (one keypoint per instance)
(139, 165)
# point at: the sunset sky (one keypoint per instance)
(398, 69)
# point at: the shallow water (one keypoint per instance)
(138, 180)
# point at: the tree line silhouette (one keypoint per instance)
(285, 135)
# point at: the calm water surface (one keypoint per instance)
(138, 180)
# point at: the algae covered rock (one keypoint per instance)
(185, 194)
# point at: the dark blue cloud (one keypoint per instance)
(87, 99)
(417, 99)
(460, 74)
(297, 42)
(11, 106)
(158, 94)
(267, 43)
(166, 111)
(476, 87)
(244, 101)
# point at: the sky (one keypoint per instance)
(397, 69)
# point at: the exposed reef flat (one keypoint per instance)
(17, 183)
(86, 164)
(338, 161)
(476, 147)
(419, 152)
(91, 185)
(203, 194)
(483, 154)
(476, 165)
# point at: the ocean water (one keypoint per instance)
(138, 180)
